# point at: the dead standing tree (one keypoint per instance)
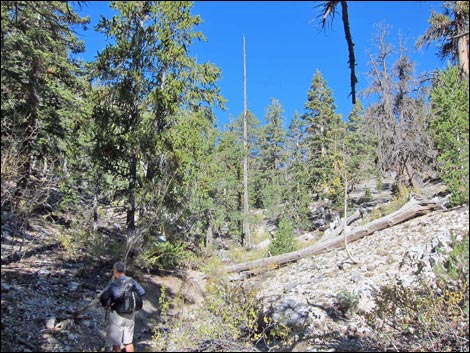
(246, 224)
(399, 116)
(328, 11)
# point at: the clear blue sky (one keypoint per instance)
(285, 45)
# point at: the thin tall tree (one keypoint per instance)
(246, 225)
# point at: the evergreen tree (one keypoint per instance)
(450, 131)
(273, 139)
(295, 135)
(450, 28)
(360, 146)
(153, 93)
(230, 153)
(324, 131)
(198, 174)
(42, 94)
(272, 159)
(229, 187)
(284, 240)
(296, 193)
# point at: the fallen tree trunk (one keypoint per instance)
(76, 313)
(27, 344)
(329, 234)
(411, 209)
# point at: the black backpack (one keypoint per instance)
(128, 300)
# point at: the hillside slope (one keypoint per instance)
(306, 292)
(41, 287)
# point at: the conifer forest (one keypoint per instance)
(123, 158)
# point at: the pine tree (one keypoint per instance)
(42, 94)
(360, 147)
(153, 93)
(273, 137)
(450, 28)
(296, 193)
(324, 131)
(284, 240)
(228, 192)
(230, 153)
(272, 159)
(295, 135)
(450, 132)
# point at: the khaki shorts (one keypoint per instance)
(120, 329)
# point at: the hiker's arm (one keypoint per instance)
(139, 288)
(92, 303)
(105, 297)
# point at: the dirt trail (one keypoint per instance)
(40, 287)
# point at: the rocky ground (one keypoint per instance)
(40, 288)
(307, 292)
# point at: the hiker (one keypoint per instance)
(120, 328)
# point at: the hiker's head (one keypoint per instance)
(119, 269)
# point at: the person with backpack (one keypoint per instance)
(122, 298)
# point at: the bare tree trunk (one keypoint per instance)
(352, 58)
(338, 230)
(130, 219)
(209, 234)
(463, 52)
(415, 178)
(95, 212)
(346, 220)
(246, 225)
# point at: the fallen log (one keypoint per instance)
(329, 234)
(72, 317)
(411, 209)
(27, 344)
(76, 313)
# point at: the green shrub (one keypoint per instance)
(347, 301)
(284, 241)
(230, 319)
(67, 242)
(237, 312)
(78, 241)
(164, 256)
(160, 336)
(457, 263)
(239, 254)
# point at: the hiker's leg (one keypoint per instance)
(116, 348)
(128, 335)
